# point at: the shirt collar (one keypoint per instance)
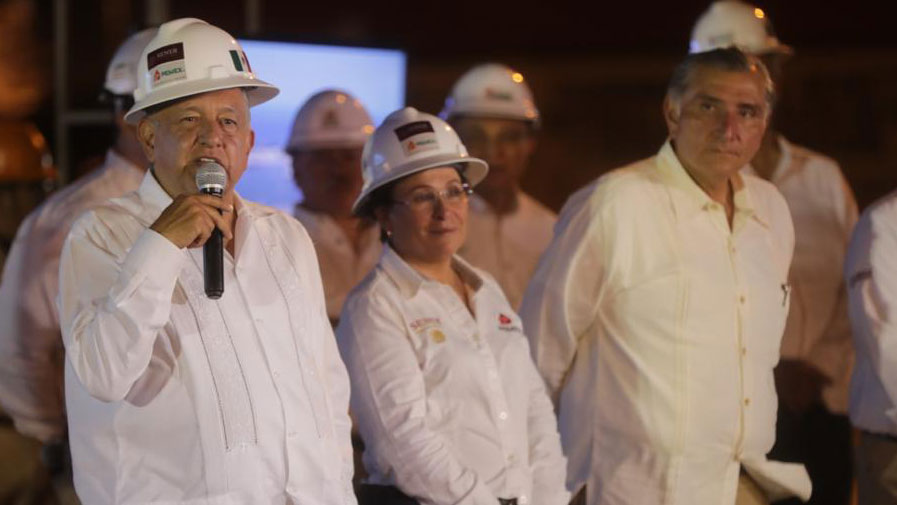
(695, 199)
(154, 198)
(409, 280)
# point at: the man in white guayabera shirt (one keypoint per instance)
(174, 397)
(656, 314)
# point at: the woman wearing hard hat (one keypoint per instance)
(445, 395)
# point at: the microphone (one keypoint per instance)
(211, 179)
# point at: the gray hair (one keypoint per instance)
(730, 59)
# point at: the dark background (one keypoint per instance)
(598, 70)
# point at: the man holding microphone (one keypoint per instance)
(174, 396)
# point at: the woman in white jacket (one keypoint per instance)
(445, 395)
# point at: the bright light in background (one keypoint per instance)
(517, 77)
(374, 76)
(758, 12)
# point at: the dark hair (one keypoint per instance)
(382, 198)
(730, 59)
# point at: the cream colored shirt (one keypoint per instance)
(178, 399)
(871, 276)
(508, 246)
(32, 366)
(656, 328)
(824, 213)
(450, 406)
(342, 267)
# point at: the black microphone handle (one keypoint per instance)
(213, 265)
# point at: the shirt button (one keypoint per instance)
(511, 458)
(744, 351)
(747, 402)
(741, 299)
(276, 374)
(503, 415)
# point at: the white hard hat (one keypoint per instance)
(121, 75)
(330, 119)
(734, 23)
(189, 56)
(407, 142)
(491, 90)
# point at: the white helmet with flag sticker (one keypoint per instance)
(410, 141)
(491, 90)
(734, 23)
(330, 119)
(188, 57)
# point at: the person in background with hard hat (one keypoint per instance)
(655, 316)
(26, 177)
(326, 142)
(813, 375)
(31, 375)
(172, 396)
(447, 400)
(492, 109)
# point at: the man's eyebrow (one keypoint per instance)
(708, 98)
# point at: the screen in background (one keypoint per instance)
(374, 76)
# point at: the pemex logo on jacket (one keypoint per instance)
(505, 323)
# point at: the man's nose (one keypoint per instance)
(730, 125)
(209, 133)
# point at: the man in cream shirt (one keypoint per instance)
(817, 352)
(174, 397)
(656, 314)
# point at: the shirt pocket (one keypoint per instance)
(769, 298)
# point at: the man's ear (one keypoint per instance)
(671, 114)
(146, 135)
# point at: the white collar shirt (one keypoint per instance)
(824, 213)
(656, 327)
(178, 399)
(871, 277)
(342, 266)
(508, 246)
(450, 405)
(31, 370)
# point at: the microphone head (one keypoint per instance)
(211, 178)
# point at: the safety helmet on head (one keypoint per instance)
(734, 23)
(188, 57)
(24, 155)
(408, 142)
(330, 119)
(491, 90)
(121, 74)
